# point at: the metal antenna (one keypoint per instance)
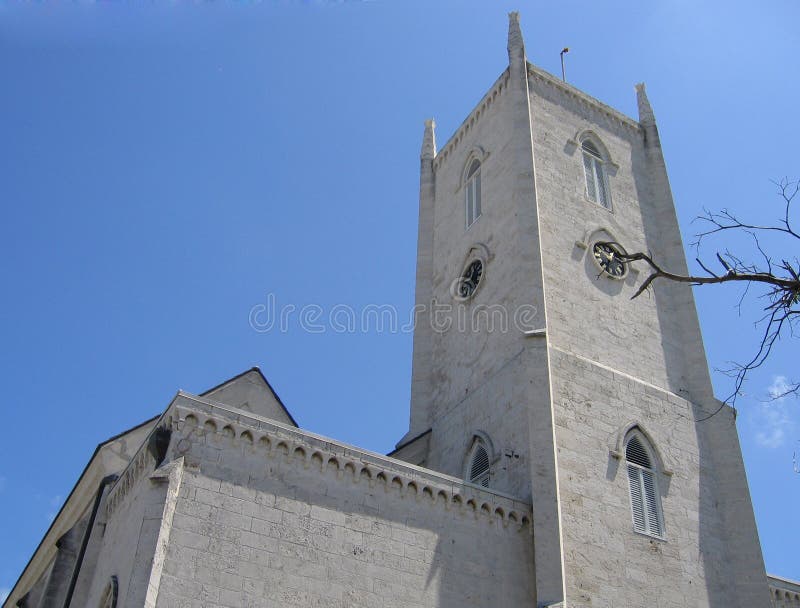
(564, 51)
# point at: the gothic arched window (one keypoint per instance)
(472, 196)
(478, 467)
(645, 500)
(109, 599)
(593, 167)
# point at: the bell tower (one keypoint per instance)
(535, 373)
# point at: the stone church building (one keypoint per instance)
(564, 447)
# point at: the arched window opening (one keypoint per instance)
(472, 197)
(109, 599)
(596, 185)
(479, 465)
(645, 501)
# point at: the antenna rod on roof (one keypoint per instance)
(564, 51)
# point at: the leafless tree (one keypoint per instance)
(773, 279)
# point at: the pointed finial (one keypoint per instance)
(516, 45)
(429, 140)
(646, 116)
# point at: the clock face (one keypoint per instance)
(470, 279)
(608, 259)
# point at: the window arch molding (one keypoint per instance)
(620, 439)
(605, 154)
(476, 153)
(473, 460)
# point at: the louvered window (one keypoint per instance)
(645, 503)
(479, 466)
(596, 187)
(472, 198)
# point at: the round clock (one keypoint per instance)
(607, 257)
(470, 279)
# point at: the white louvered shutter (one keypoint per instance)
(602, 197)
(588, 167)
(651, 503)
(477, 196)
(469, 202)
(645, 504)
(479, 469)
(637, 500)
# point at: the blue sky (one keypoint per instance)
(167, 167)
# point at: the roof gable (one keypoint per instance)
(250, 391)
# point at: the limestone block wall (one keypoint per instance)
(263, 514)
(272, 518)
(614, 361)
(606, 562)
(132, 512)
(500, 407)
(473, 387)
(465, 353)
(587, 315)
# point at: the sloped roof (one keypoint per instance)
(253, 372)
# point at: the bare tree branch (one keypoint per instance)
(779, 281)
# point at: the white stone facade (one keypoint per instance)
(222, 501)
(250, 512)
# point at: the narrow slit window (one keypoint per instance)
(594, 170)
(645, 501)
(472, 197)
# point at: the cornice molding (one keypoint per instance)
(193, 418)
(587, 100)
(471, 120)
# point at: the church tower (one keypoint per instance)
(536, 375)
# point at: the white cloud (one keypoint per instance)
(4, 591)
(779, 387)
(773, 419)
(55, 504)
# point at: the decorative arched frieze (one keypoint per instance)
(299, 450)
(333, 465)
(282, 449)
(397, 484)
